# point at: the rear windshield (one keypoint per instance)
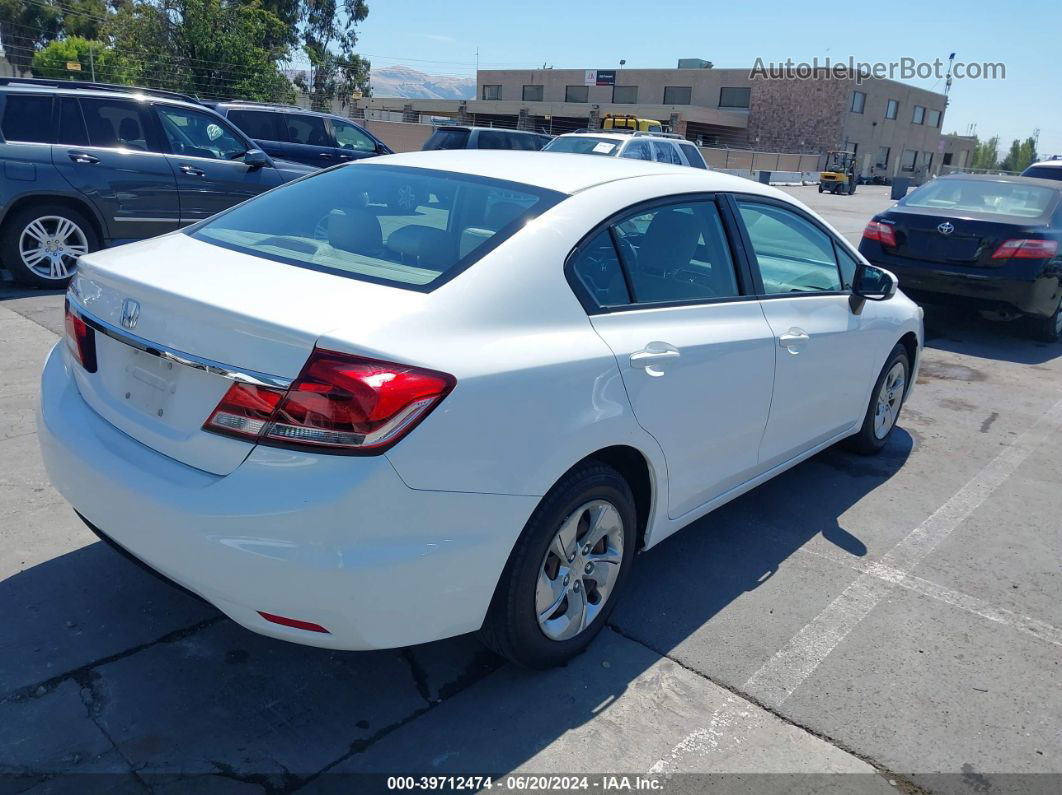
(1010, 199)
(447, 139)
(1043, 172)
(408, 227)
(584, 145)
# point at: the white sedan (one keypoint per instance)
(357, 428)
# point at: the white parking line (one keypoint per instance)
(780, 676)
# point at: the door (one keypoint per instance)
(110, 150)
(206, 159)
(693, 348)
(264, 127)
(309, 141)
(351, 141)
(822, 362)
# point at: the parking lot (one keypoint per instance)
(896, 618)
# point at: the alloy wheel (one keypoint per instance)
(51, 245)
(579, 570)
(889, 399)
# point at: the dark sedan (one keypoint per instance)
(987, 242)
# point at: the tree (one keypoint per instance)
(93, 56)
(986, 153)
(1022, 154)
(328, 39)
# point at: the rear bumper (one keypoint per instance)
(977, 288)
(338, 541)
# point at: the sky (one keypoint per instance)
(442, 38)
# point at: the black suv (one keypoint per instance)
(456, 136)
(88, 165)
(305, 136)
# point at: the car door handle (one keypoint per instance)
(83, 157)
(326, 155)
(794, 340)
(652, 356)
(192, 171)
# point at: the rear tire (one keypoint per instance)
(886, 400)
(41, 244)
(1049, 329)
(546, 609)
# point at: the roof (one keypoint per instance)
(1048, 163)
(29, 87)
(1054, 184)
(625, 136)
(559, 171)
(492, 129)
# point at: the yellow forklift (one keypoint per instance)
(630, 123)
(840, 174)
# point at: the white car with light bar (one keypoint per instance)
(357, 427)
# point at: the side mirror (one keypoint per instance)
(872, 284)
(382, 149)
(255, 158)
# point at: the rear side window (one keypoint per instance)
(489, 139)
(598, 268)
(666, 153)
(347, 222)
(27, 118)
(638, 150)
(693, 156)
(309, 130)
(447, 139)
(259, 124)
(116, 123)
(72, 130)
(794, 255)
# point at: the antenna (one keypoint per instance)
(947, 81)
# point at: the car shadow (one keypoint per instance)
(178, 689)
(965, 332)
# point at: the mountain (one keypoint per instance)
(401, 81)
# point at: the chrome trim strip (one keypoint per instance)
(135, 218)
(169, 354)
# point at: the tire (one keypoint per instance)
(852, 187)
(576, 506)
(872, 437)
(41, 244)
(820, 187)
(1049, 329)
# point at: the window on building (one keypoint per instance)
(927, 161)
(891, 109)
(859, 101)
(576, 94)
(934, 118)
(883, 157)
(907, 160)
(532, 93)
(734, 97)
(678, 95)
(919, 115)
(491, 92)
(625, 95)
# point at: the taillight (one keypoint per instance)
(875, 230)
(80, 339)
(1026, 249)
(339, 402)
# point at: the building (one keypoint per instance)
(893, 128)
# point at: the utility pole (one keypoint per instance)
(947, 82)
(92, 64)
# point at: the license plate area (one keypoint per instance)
(150, 384)
(934, 246)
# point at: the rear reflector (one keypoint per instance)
(1026, 249)
(80, 339)
(339, 402)
(309, 626)
(875, 230)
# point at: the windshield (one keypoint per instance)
(1043, 172)
(1012, 199)
(407, 227)
(584, 145)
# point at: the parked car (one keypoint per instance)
(986, 242)
(661, 147)
(1045, 169)
(461, 419)
(301, 135)
(454, 136)
(87, 166)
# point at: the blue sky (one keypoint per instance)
(441, 38)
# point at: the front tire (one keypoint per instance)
(566, 572)
(41, 244)
(885, 403)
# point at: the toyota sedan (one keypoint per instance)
(354, 427)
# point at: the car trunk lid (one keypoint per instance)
(182, 319)
(950, 240)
